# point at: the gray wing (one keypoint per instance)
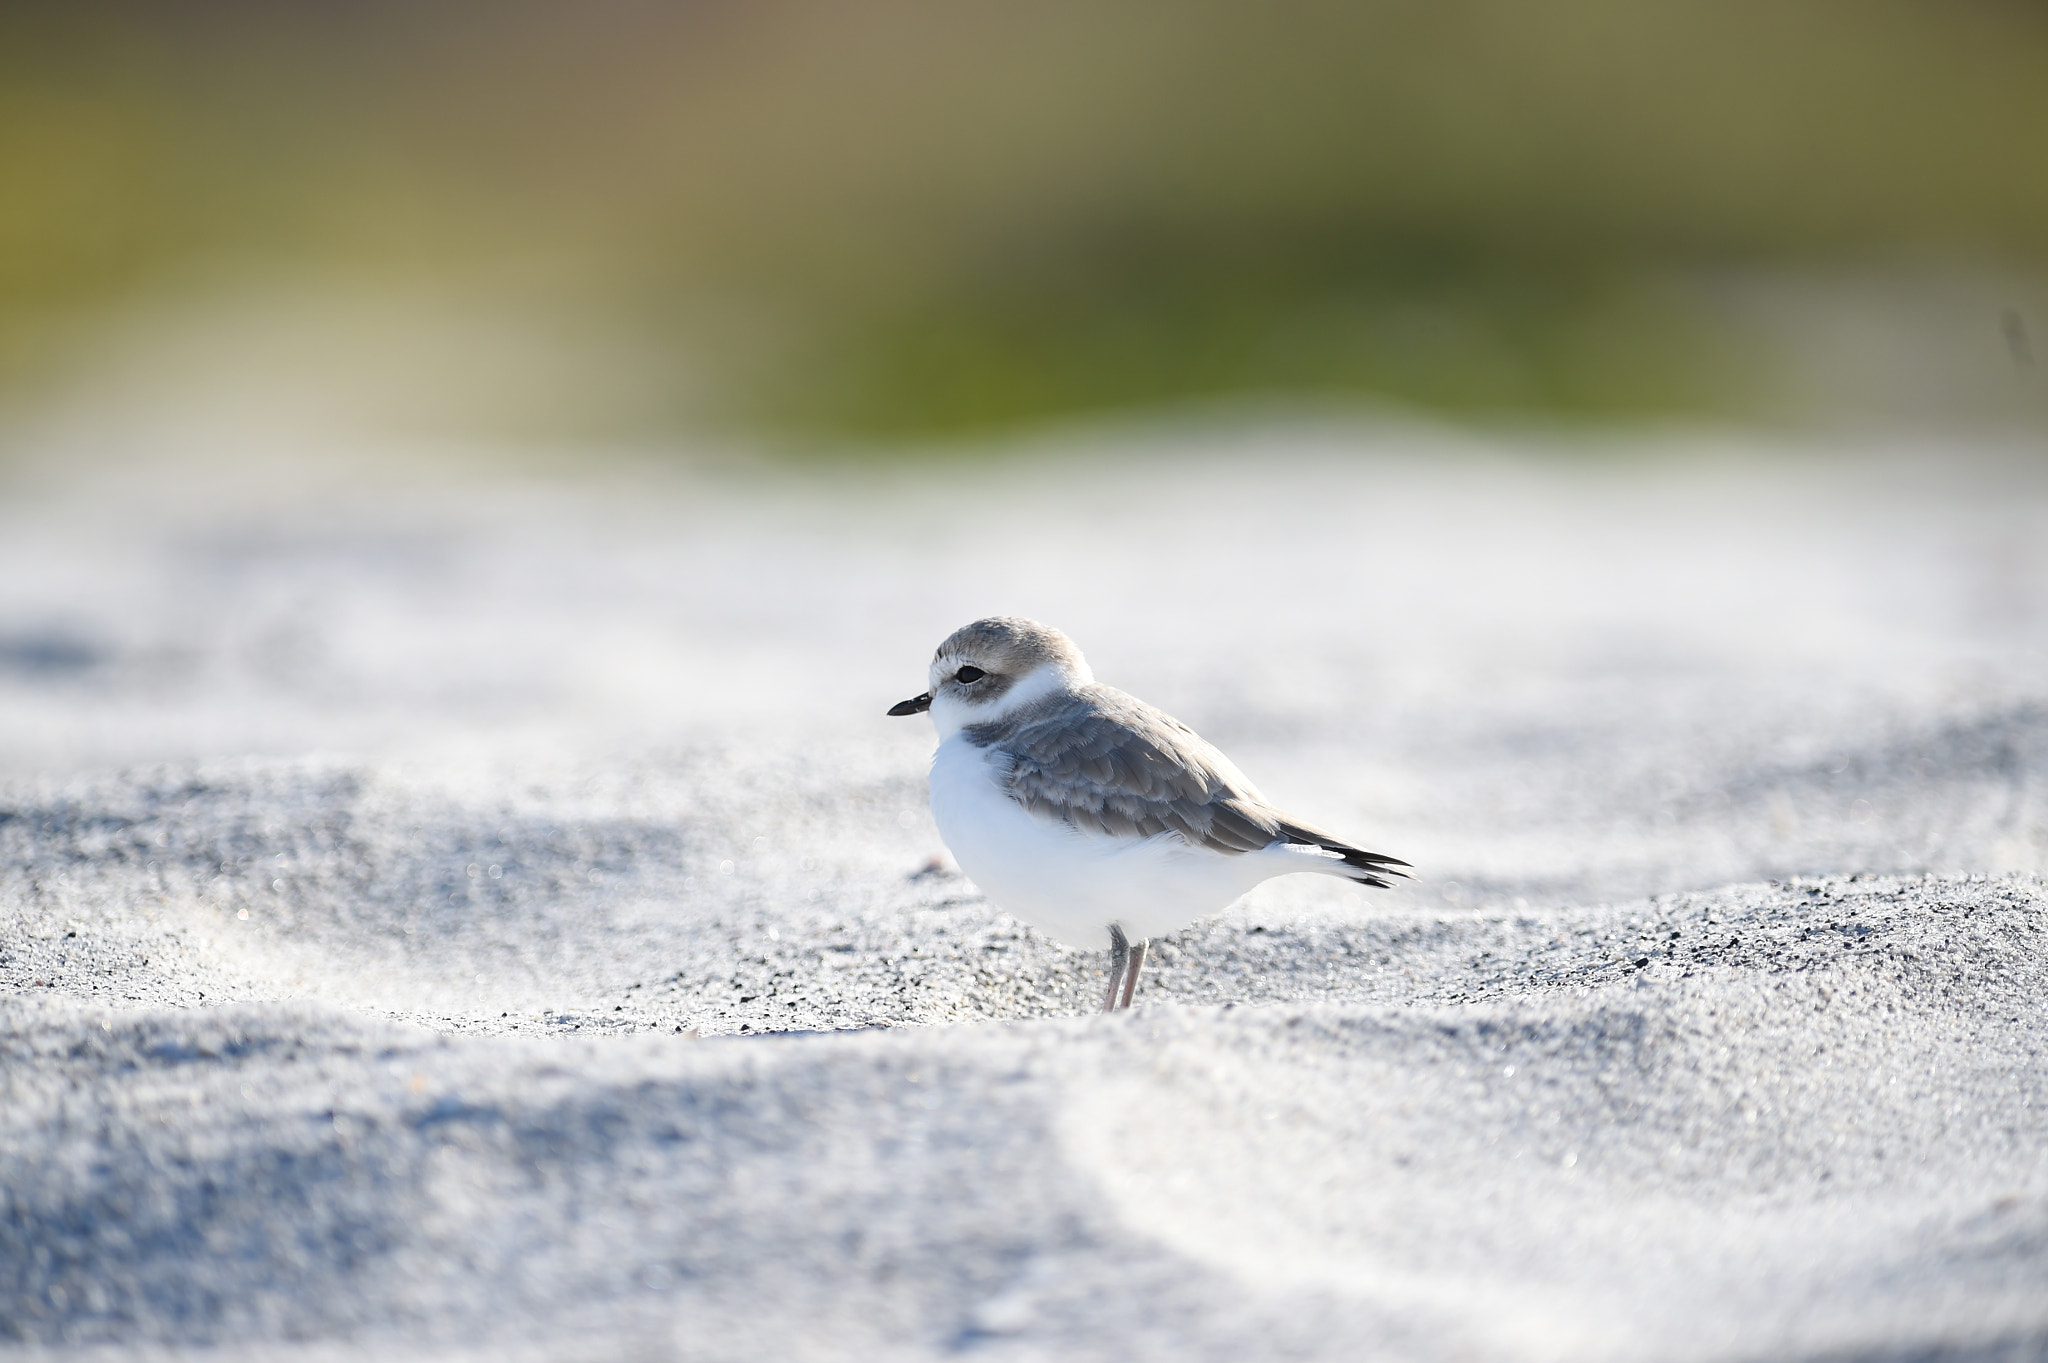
(1105, 762)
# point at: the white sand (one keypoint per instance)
(397, 882)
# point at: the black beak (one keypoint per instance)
(916, 705)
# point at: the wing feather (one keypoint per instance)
(1102, 761)
(1106, 762)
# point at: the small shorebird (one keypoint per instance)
(1079, 808)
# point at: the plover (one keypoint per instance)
(1083, 810)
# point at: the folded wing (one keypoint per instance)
(1106, 762)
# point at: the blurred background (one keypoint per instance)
(465, 380)
(809, 226)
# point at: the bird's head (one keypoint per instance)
(993, 668)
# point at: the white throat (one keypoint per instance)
(950, 715)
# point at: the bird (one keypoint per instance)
(1080, 809)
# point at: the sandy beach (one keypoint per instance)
(458, 915)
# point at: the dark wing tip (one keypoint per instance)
(1373, 864)
(1371, 875)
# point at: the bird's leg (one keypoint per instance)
(1131, 971)
(1119, 960)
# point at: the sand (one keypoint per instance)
(452, 914)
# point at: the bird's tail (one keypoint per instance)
(1353, 863)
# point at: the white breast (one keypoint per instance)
(1074, 885)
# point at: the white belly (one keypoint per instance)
(1074, 885)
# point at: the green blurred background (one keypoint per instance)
(826, 224)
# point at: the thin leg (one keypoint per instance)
(1131, 972)
(1119, 962)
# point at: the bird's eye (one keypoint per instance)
(969, 675)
